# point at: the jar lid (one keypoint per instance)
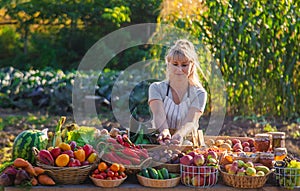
(277, 134)
(262, 135)
(280, 149)
(266, 155)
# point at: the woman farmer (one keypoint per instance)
(178, 102)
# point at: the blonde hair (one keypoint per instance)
(184, 51)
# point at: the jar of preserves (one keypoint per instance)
(262, 142)
(278, 139)
(267, 159)
(280, 154)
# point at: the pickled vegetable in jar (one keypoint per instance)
(262, 142)
(267, 159)
(280, 154)
(278, 139)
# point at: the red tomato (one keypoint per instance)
(110, 173)
(103, 174)
(123, 174)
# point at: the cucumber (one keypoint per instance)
(165, 173)
(153, 173)
(160, 176)
(145, 173)
(172, 175)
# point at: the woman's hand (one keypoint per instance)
(177, 139)
(164, 134)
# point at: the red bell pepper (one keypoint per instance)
(88, 149)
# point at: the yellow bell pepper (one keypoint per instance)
(92, 158)
(80, 155)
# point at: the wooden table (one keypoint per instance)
(131, 184)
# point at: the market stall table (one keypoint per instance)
(131, 184)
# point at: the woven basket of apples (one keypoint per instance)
(242, 174)
(199, 169)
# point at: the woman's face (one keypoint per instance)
(179, 68)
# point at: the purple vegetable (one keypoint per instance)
(21, 176)
(5, 180)
(11, 171)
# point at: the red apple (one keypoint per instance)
(192, 153)
(245, 144)
(251, 142)
(212, 154)
(235, 141)
(211, 179)
(199, 160)
(247, 149)
(186, 178)
(237, 146)
(198, 181)
(186, 160)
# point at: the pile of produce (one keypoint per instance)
(68, 155)
(21, 172)
(108, 171)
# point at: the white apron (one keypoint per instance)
(175, 113)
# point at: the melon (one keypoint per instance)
(26, 140)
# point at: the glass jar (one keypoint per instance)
(278, 139)
(262, 142)
(280, 154)
(266, 159)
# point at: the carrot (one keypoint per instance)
(34, 181)
(45, 180)
(21, 163)
(38, 170)
(30, 170)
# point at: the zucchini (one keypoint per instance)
(145, 173)
(160, 176)
(172, 175)
(153, 173)
(165, 173)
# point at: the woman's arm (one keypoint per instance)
(159, 114)
(189, 124)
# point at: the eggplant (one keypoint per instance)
(5, 180)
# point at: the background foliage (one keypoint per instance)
(256, 45)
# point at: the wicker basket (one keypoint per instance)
(244, 181)
(253, 159)
(174, 168)
(155, 183)
(67, 175)
(107, 183)
(133, 169)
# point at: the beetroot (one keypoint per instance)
(21, 176)
(5, 180)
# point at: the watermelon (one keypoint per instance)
(23, 143)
